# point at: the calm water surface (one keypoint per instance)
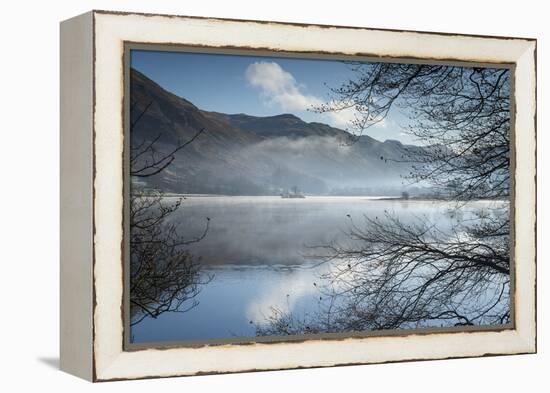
(258, 250)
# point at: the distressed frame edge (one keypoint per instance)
(526, 88)
(304, 24)
(294, 339)
(528, 339)
(76, 196)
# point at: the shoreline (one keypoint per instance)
(366, 197)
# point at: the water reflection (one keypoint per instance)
(271, 230)
(257, 250)
(233, 303)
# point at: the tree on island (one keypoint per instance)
(393, 274)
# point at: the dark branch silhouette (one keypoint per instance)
(164, 276)
(146, 159)
(461, 115)
(392, 274)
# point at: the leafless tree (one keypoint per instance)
(164, 276)
(393, 274)
(461, 115)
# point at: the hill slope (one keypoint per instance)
(248, 155)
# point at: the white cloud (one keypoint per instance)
(283, 295)
(382, 123)
(279, 88)
(342, 118)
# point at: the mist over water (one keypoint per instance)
(259, 252)
(272, 230)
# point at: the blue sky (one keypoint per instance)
(259, 86)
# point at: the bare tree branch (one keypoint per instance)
(164, 276)
(391, 274)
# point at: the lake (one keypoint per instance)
(259, 252)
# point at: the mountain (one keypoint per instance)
(239, 154)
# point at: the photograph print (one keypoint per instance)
(280, 198)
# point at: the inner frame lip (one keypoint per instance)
(129, 46)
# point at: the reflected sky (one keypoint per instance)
(256, 249)
(237, 296)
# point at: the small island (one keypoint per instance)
(293, 193)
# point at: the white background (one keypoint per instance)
(29, 197)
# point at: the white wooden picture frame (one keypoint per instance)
(92, 195)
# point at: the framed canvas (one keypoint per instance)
(247, 195)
